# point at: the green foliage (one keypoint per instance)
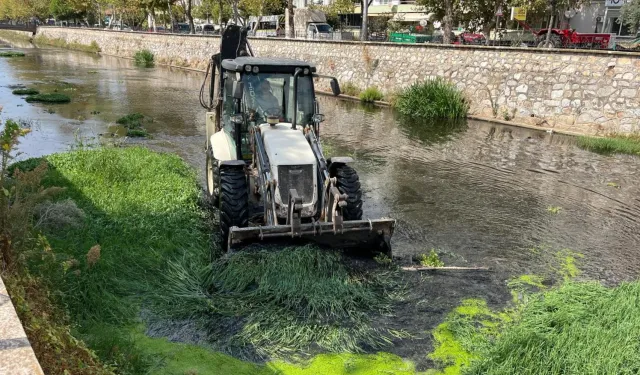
(25, 92)
(613, 144)
(383, 260)
(144, 58)
(578, 328)
(11, 54)
(48, 98)
(435, 98)
(431, 260)
(133, 123)
(348, 88)
(371, 94)
(554, 209)
(630, 14)
(289, 299)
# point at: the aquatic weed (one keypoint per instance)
(144, 58)
(370, 95)
(434, 98)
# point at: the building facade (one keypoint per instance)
(600, 17)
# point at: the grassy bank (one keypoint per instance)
(613, 144)
(127, 231)
(61, 43)
(575, 328)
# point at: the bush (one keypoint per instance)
(434, 98)
(25, 92)
(371, 94)
(11, 54)
(144, 58)
(48, 98)
(614, 144)
(350, 89)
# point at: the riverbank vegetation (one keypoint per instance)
(133, 124)
(11, 54)
(61, 43)
(612, 144)
(290, 300)
(144, 58)
(432, 99)
(371, 94)
(48, 98)
(25, 91)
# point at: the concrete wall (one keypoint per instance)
(591, 92)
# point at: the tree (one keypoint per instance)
(188, 5)
(364, 11)
(473, 15)
(630, 14)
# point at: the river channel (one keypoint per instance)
(480, 193)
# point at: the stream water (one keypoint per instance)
(480, 193)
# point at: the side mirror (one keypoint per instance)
(335, 87)
(238, 90)
(318, 118)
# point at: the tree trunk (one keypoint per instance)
(486, 30)
(192, 27)
(291, 30)
(448, 18)
(152, 19)
(553, 13)
(234, 4)
(364, 33)
(172, 20)
(220, 5)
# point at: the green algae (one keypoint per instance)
(467, 329)
(348, 364)
(192, 359)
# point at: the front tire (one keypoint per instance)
(348, 182)
(234, 202)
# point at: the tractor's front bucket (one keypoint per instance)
(372, 236)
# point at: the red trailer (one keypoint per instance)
(567, 38)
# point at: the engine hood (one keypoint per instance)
(285, 146)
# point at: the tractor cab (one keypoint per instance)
(258, 91)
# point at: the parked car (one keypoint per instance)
(182, 28)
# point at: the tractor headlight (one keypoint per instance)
(247, 68)
(305, 71)
(255, 70)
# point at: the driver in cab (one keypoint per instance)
(265, 99)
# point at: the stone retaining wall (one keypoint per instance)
(16, 355)
(591, 92)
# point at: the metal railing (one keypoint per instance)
(29, 27)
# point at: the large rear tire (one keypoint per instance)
(234, 202)
(554, 41)
(348, 182)
(212, 175)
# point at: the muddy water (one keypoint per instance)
(479, 192)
